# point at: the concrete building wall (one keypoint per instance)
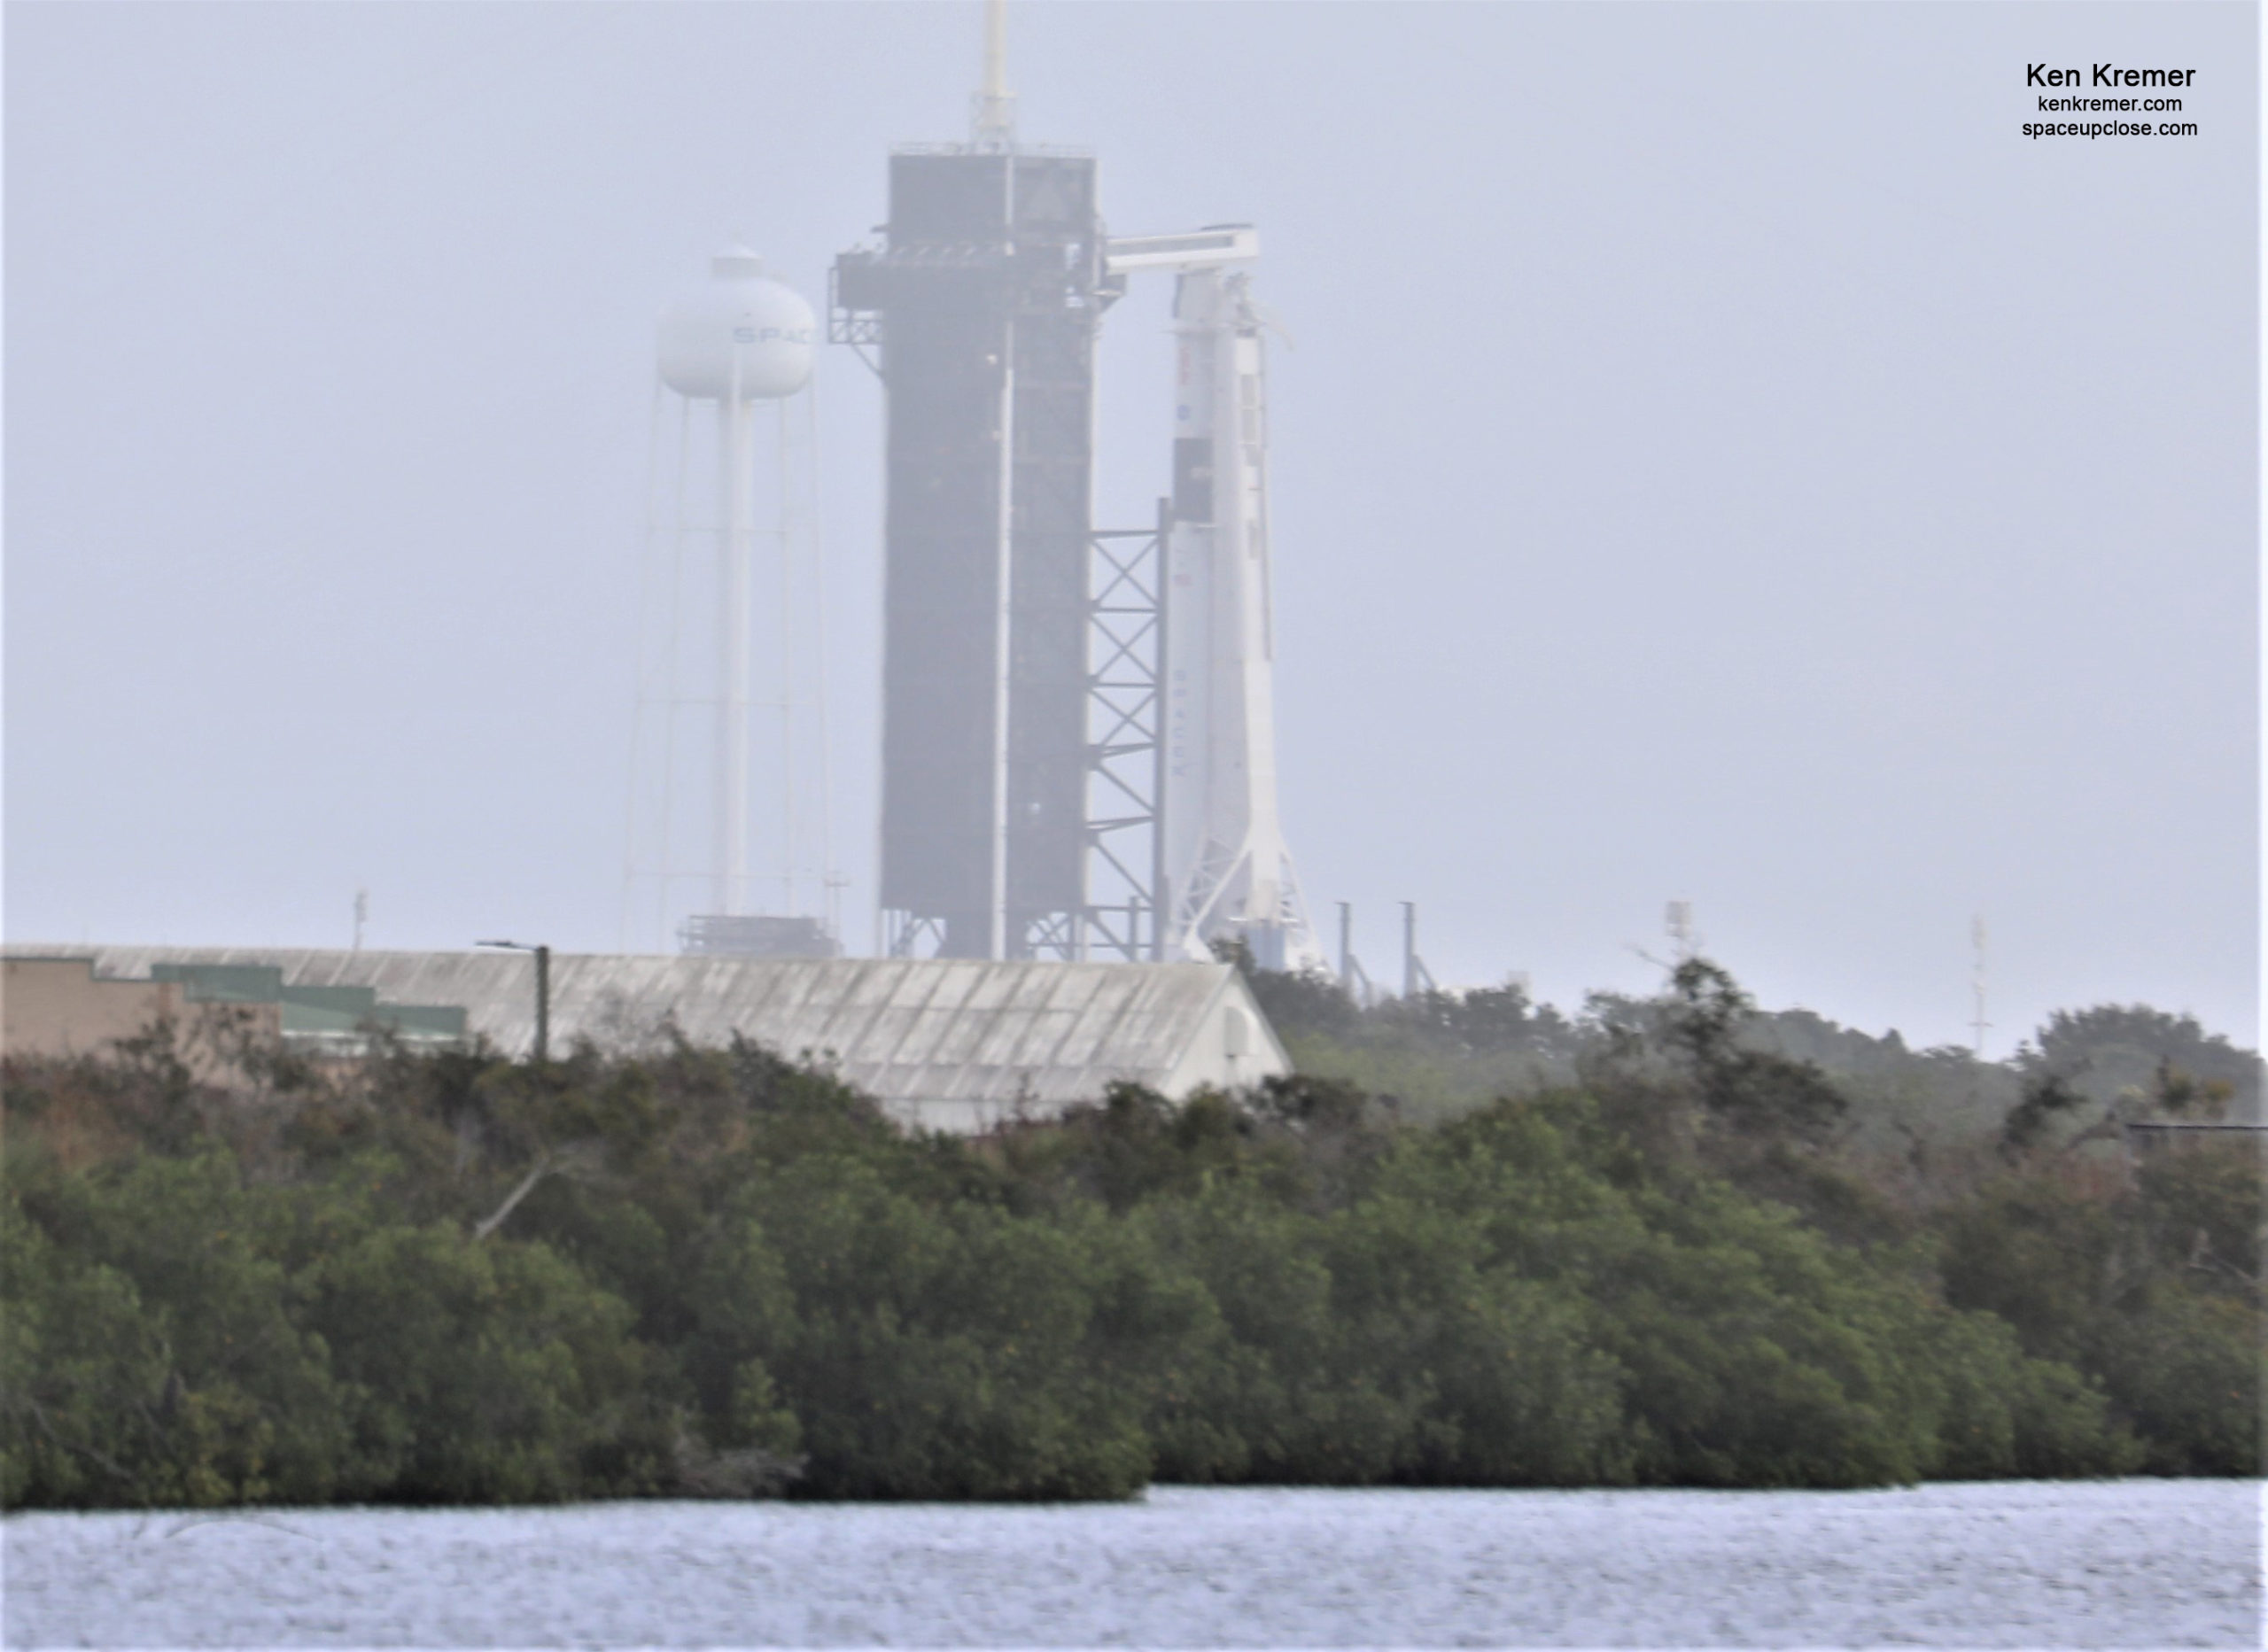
(59, 1006)
(1233, 1046)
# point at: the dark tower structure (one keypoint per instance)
(980, 309)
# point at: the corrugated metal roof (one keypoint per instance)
(972, 1033)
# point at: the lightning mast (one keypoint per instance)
(993, 118)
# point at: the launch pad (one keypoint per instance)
(1078, 726)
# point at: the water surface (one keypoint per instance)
(2131, 1563)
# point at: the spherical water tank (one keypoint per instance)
(739, 331)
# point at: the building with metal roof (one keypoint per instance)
(67, 1004)
(945, 1044)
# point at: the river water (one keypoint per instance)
(2127, 1563)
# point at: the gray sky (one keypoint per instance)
(1721, 459)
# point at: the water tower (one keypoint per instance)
(736, 339)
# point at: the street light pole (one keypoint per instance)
(542, 991)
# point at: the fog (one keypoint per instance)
(1716, 457)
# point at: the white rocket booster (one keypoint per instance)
(1227, 872)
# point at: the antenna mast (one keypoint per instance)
(1685, 943)
(1415, 978)
(993, 109)
(1979, 1025)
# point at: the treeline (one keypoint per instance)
(1441, 1053)
(453, 1278)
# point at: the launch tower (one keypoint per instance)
(979, 310)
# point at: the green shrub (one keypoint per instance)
(714, 1273)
